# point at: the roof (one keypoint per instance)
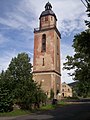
(48, 11)
(73, 84)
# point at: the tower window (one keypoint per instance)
(46, 18)
(42, 19)
(43, 43)
(43, 62)
(57, 47)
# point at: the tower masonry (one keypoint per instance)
(46, 63)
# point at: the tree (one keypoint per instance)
(18, 87)
(40, 97)
(23, 85)
(20, 70)
(88, 10)
(80, 62)
(6, 96)
(25, 90)
(87, 5)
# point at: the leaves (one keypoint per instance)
(88, 11)
(17, 85)
(80, 62)
(6, 97)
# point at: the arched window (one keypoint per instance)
(43, 43)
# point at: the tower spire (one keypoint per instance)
(48, 6)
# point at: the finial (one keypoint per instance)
(48, 6)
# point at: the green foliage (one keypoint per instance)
(61, 102)
(6, 98)
(26, 91)
(18, 87)
(88, 11)
(48, 107)
(21, 77)
(80, 62)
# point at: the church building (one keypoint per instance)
(46, 62)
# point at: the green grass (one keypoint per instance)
(48, 107)
(15, 113)
(62, 103)
(18, 112)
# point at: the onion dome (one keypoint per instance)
(48, 11)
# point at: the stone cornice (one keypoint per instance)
(47, 72)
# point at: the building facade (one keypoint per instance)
(66, 90)
(46, 63)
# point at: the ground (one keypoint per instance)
(75, 111)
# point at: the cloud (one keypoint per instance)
(65, 77)
(5, 59)
(64, 73)
(3, 39)
(71, 14)
(23, 16)
(66, 50)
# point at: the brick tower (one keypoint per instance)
(46, 64)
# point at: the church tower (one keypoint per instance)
(46, 63)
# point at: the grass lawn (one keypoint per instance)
(48, 107)
(18, 112)
(62, 103)
(15, 113)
